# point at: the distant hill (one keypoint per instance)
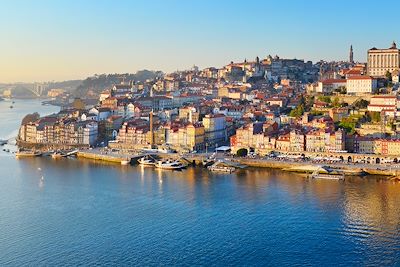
(99, 83)
(69, 86)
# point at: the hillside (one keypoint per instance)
(101, 82)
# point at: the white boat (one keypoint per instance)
(146, 161)
(208, 162)
(164, 150)
(125, 162)
(226, 169)
(329, 176)
(169, 165)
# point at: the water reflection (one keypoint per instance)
(358, 211)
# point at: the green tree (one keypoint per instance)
(336, 102)
(297, 112)
(375, 116)
(388, 76)
(242, 152)
(326, 99)
(362, 103)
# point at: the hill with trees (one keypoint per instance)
(100, 82)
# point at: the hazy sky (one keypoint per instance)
(58, 40)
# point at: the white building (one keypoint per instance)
(386, 103)
(382, 60)
(90, 133)
(361, 85)
(329, 85)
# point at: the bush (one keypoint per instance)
(242, 152)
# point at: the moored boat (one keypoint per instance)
(146, 161)
(169, 165)
(216, 168)
(125, 162)
(21, 154)
(328, 176)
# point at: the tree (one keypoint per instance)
(336, 102)
(78, 104)
(388, 76)
(297, 111)
(242, 152)
(375, 116)
(362, 103)
(326, 99)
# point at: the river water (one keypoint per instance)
(88, 213)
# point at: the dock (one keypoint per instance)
(109, 156)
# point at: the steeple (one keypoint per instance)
(351, 59)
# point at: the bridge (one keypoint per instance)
(36, 89)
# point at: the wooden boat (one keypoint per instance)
(22, 154)
(328, 176)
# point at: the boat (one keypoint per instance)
(328, 176)
(146, 161)
(21, 154)
(164, 150)
(125, 162)
(207, 162)
(216, 168)
(3, 142)
(169, 164)
(11, 106)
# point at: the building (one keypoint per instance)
(351, 58)
(382, 60)
(387, 103)
(361, 85)
(329, 85)
(215, 128)
(122, 90)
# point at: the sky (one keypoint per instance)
(46, 40)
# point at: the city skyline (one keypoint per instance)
(65, 40)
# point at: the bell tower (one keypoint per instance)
(351, 59)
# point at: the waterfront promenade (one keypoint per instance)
(284, 163)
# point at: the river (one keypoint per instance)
(88, 213)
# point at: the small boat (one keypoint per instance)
(217, 168)
(328, 176)
(146, 161)
(164, 150)
(169, 165)
(11, 106)
(208, 162)
(3, 142)
(125, 162)
(22, 154)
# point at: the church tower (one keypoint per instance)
(351, 59)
